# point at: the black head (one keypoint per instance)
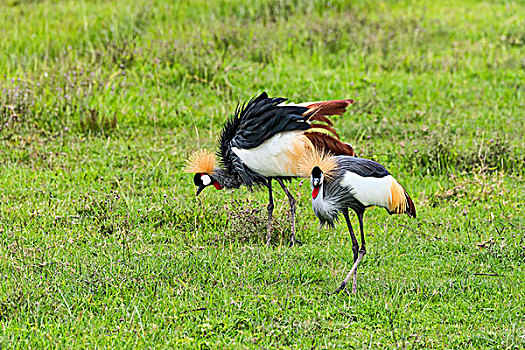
(317, 178)
(316, 172)
(202, 180)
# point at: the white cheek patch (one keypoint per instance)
(319, 183)
(206, 180)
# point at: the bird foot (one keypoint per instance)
(295, 241)
(340, 288)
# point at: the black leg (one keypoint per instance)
(360, 256)
(292, 201)
(355, 247)
(270, 213)
(360, 217)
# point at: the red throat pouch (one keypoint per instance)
(315, 192)
(217, 186)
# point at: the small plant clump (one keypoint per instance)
(247, 223)
(94, 123)
(16, 104)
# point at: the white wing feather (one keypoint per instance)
(274, 157)
(369, 190)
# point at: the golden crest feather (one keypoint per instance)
(313, 157)
(201, 161)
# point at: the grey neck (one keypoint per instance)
(225, 179)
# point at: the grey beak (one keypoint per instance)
(199, 190)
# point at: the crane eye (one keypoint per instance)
(206, 179)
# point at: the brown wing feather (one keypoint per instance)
(321, 118)
(325, 127)
(318, 111)
(335, 107)
(328, 143)
(411, 208)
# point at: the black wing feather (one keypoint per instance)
(252, 124)
(361, 166)
(262, 118)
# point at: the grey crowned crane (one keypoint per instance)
(262, 142)
(341, 182)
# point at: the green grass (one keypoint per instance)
(103, 243)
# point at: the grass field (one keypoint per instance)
(104, 245)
